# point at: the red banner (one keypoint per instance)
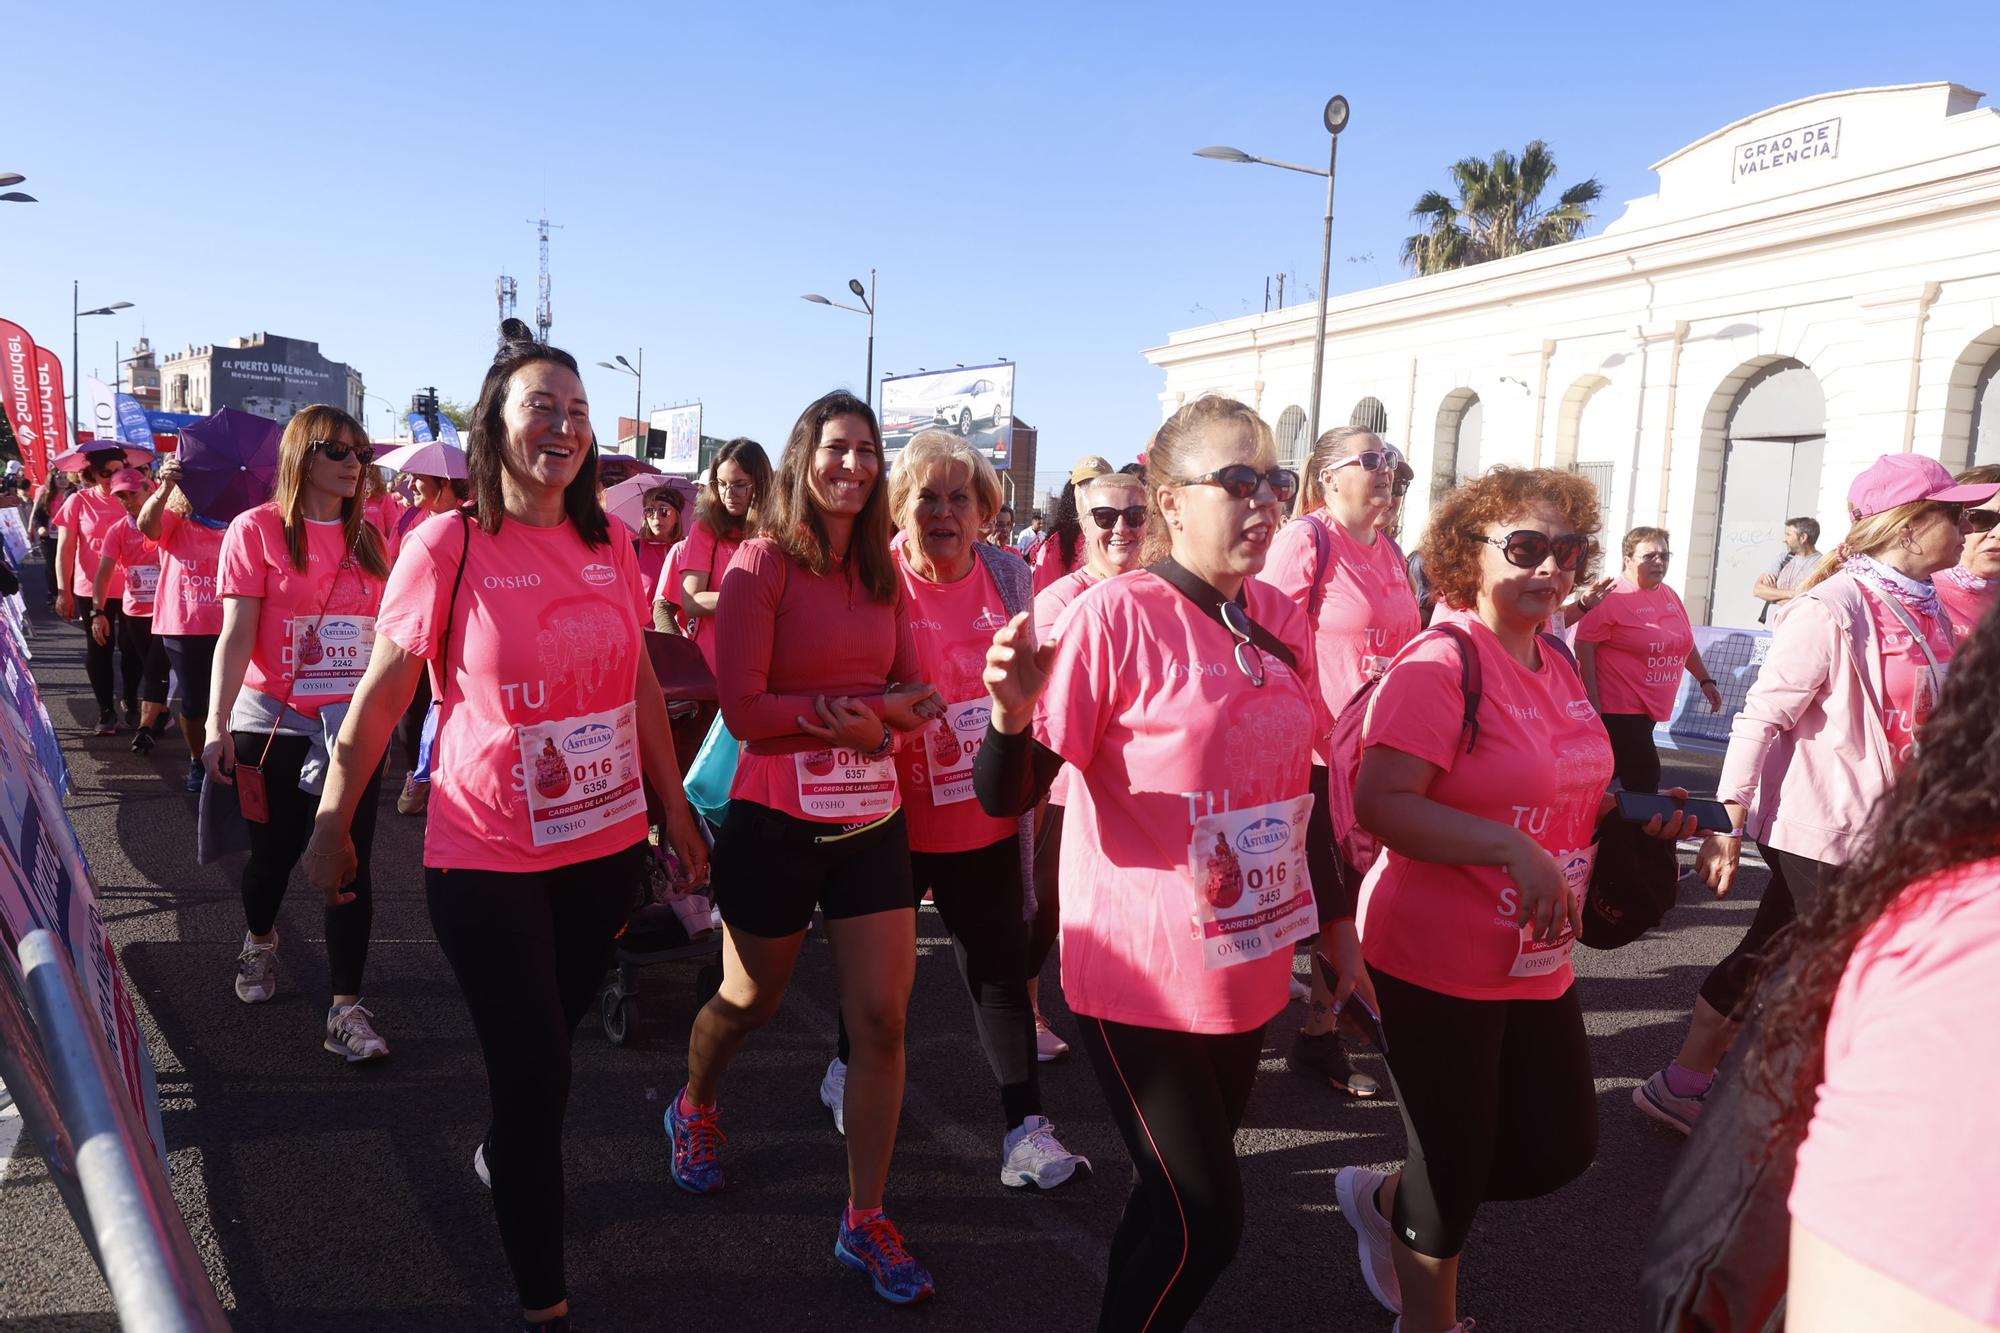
(49, 401)
(19, 397)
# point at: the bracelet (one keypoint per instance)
(1735, 833)
(888, 744)
(100, 615)
(1704, 680)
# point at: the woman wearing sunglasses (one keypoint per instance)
(1055, 555)
(1856, 660)
(301, 581)
(1632, 645)
(1971, 588)
(82, 524)
(1114, 537)
(726, 514)
(1468, 919)
(1348, 576)
(1182, 697)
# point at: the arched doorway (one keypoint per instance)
(1292, 443)
(1369, 414)
(1972, 423)
(1773, 444)
(1455, 448)
(1587, 443)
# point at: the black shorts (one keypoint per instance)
(770, 869)
(192, 657)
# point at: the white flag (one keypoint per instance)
(100, 410)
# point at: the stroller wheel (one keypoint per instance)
(615, 1010)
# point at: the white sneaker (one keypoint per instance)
(1301, 993)
(349, 1033)
(1354, 1189)
(479, 1166)
(1048, 1046)
(257, 970)
(1031, 1155)
(833, 1092)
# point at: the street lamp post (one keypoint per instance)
(638, 374)
(867, 307)
(75, 368)
(1335, 120)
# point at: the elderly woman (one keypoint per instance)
(1631, 647)
(1971, 588)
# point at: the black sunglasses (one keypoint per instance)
(1527, 549)
(363, 453)
(1107, 517)
(1240, 481)
(1980, 520)
(1237, 621)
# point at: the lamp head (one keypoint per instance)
(1224, 154)
(623, 362)
(815, 298)
(11, 178)
(16, 197)
(1336, 114)
(607, 365)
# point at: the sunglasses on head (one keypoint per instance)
(1107, 518)
(1240, 481)
(338, 452)
(1527, 549)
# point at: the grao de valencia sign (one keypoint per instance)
(1774, 152)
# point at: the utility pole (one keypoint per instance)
(544, 313)
(506, 291)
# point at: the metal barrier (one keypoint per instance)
(74, 1102)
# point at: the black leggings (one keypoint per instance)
(978, 893)
(97, 658)
(1795, 885)
(136, 639)
(1047, 925)
(275, 848)
(529, 951)
(1177, 1098)
(1635, 759)
(1497, 1100)
(192, 657)
(410, 727)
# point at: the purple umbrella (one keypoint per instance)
(229, 463)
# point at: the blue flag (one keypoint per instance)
(420, 430)
(133, 426)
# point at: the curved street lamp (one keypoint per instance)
(638, 375)
(867, 307)
(75, 367)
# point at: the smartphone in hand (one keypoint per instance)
(1639, 807)
(1354, 1013)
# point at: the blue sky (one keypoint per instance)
(1020, 175)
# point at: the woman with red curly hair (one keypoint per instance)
(1468, 919)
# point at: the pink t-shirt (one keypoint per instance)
(537, 752)
(190, 554)
(1967, 598)
(652, 566)
(138, 562)
(1046, 561)
(320, 659)
(953, 625)
(784, 637)
(1897, 1170)
(703, 552)
(90, 513)
(1166, 733)
(1049, 604)
(1366, 613)
(1909, 693)
(1643, 639)
(1541, 763)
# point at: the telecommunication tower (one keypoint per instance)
(544, 315)
(506, 291)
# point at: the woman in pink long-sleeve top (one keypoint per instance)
(815, 660)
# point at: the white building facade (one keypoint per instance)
(1811, 287)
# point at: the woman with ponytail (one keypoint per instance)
(1856, 662)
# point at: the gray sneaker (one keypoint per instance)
(833, 1092)
(1660, 1101)
(479, 1166)
(257, 970)
(349, 1033)
(1031, 1155)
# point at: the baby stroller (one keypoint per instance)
(670, 925)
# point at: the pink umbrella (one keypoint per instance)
(435, 459)
(626, 501)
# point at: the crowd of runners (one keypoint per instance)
(1196, 731)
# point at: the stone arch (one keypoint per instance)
(1291, 431)
(1449, 455)
(1589, 451)
(1370, 414)
(1763, 437)
(1972, 405)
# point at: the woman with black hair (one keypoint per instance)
(525, 606)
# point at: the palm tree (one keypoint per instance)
(1497, 212)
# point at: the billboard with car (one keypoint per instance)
(974, 402)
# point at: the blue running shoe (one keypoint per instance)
(876, 1248)
(694, 1139)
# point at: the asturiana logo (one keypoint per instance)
(1263, 837)
(973, 719)
(1581, 710)
(588, 738)
(598, 575)
(989, 619)
(338, 631)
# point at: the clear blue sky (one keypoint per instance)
(1021, 175)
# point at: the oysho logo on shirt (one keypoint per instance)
(598, 576)
(1176, 670)
(926, 625)
(588, 739)
(1264, 836)
(498, 581)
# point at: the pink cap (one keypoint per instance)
(1900, 479)
(131, 479)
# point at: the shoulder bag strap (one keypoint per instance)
(451, 609)
(1210, 601)
(1923, 643)
(1322, 557)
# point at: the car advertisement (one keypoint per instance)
(682, 427)
(976, 403)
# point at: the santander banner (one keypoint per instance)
(49, 402)
(20, 399)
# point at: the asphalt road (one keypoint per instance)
(329, 1197)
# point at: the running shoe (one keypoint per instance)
(142, 741)
(107, 724)
(414, 797)
(1659, 1101)
(195, 775)
(349, 1033)
(1322, 1058)
(1301, 993)
(479, 1166)
(257, 970)
(1031, 1155)
(1356, 1190)
(876, 1248)
(694, 1140)
(132, 716)
(833, 1093)
(1048, 1046)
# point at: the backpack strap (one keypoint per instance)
(1322, 556)
(451, 606)
(1560, 646)
(1199, 592)
(1470, 679)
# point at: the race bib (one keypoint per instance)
(843, 786)
(330, 654)
(1537, 958)
(582, 773)
(142, 582)
(951, 744)
(1252, 895)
